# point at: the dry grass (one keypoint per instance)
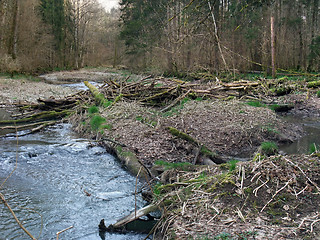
(269, 198)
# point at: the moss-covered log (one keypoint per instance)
(215, 157)
(132, 163)
(313, 84)
(99, 97)
(42, 116)
(182, 135)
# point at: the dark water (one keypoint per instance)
(312, 136)
(54, 169)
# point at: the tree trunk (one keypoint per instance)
(12, 47)
(273, 52)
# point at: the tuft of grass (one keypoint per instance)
(156, 190)
(96, 122)
(232, 164)
(93, 109)
(107, 126)
(269, 148)
(256, 104)
(313, 148)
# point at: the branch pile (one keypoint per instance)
(160, 91)
(270, 198)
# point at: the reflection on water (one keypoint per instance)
(312, 136)
(54, 170)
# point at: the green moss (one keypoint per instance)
(313, 84)
(181, 135)
(318, 94)
(205, 151)
(106, 103)
(107, 126)
(167, 165)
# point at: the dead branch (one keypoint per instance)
(58, 233)
(15, 217)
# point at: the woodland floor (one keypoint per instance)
(269, 198)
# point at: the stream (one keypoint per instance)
(311, 128)
(54, 170)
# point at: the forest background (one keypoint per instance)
(160, 36)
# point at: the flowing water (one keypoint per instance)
(54, 170)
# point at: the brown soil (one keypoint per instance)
(229, 127)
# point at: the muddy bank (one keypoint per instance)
(24, 90)
(230, 128)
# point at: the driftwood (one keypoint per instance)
(131, 217)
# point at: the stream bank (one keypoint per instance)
(228, 126)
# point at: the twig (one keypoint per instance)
(63, 231)
(175, 101)
(297, 194)
(240, 215)
(311, 227)
(197, 155)
(242, 179)
(295, 165)
(275, 195)
(255, 191)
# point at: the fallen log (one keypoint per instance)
(99, 97)
(204, 151)
(42, 116)
(37, 129)
(26, 126)
(131, 217)
(54, 103)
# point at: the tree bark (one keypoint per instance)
(12, 47)
(273, 52)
